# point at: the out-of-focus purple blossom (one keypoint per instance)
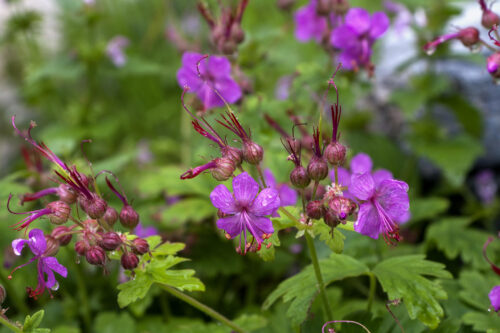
(288, 196)
(296, 248)
(494, 296)
(308, 24)
(143, 231)
(485, 186)
(247, 208)
(115, 50)
(493, 65)
(357, 35)
(207, 77)
(403, 17)
(283, 86)
(89, 2)
(46, 265)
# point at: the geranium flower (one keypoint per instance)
(357, 35)
(308, 24)
(247, 211)
(494, 296)
(208, 77)
(46, 265)
(115, 50)
(143, 231)
(288, 196)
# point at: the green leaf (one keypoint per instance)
(301, 289)
(251, 322)
(190, 209)
(452, 236)
(335, 242)
(181, 279)
(483, 321)
(168, 248)
(109, 322)
(403, 278)
(426, 208)
(32, 322)
(475, 288)
(468, 115)
(134, 289)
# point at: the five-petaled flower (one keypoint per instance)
(288, 196)
(208, 78)
(357, 35)
(46, 265)
(247, 211)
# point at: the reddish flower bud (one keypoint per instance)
(111, 216)
(62, 235)
(237, 33)
(299, 177)
(489, 19)
(52, 246)
(340, 7)
(315, 209)
(60, 212)
(335, 153)
(3, 294)
(129, 261)
(110, 241)
(285, 4)
(224, 168)
(129, 217)
(94, 207)
(140, 246)
(330, 218)
(252, 152)
(66, 194)
(469, 36)
(95, 255)
(228, 46)
(493, 65)
(234, 154)
(317, 169)
(81, 247)
(323, 7)
(342, 206)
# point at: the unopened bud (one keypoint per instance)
(129, 260)
(317, 168)
(330, 218)
(224, 168)
(234, 154)
(94, 207)
(111, 216)
(342, 207)
(95, 255)
(140, 246)
(52, 246)
(299, 177)
(110, 241)
(252, 152)
(285, 4)
(66, 194)
(60, 212)
(469, 36)
(493, 65)
(323, 7)
(129, 218)
(489, 19)
(315, 209)
(62, 235)
(81, 247)
(335, 153)
(237, 33)
(340, 7)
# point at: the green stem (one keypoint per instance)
(186, 138)
(261, 175)
(7, 323)
(315, 188)
(319, 278)
(82, 294)
(202, 307)
(373, 288)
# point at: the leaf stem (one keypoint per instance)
(373, 288)
(7, 323)
(319, 277)
(202, 307)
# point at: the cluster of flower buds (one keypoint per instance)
(94, 230)
(470, 38)
(226, 31)
(328, 7)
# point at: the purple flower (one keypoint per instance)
(308, 24)
(115, 48)
(46, 266)
(288, 196)
(403, 17)
(142, 231)
(207, 78)
(384, 205)
(356, 36)
(247, 210)
(494, 296)
(485, 185)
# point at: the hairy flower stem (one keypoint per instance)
(186, 138)
(203, 308)
(261, 175)
(336, 170)
(319, 278)
(316, 184)
(488, 46)
(373, 288)
(7, 323)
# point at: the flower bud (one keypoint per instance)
(252, 152)
(140, 246)
(224, 168)
(335, 153)
(129, 261)
(234, 154)
(62, 235)
(237, 33)
(111, 216)
(285, 4)
(95, 255)
(323, 7)
(81, 247)
(469, 36)
(493, 65)
(52, 246)
(66, 194)
(129, 217)
(228, 46)
(94, 207)
(110, 241)
(317, 169)
(315, 209)
(342, 206)
(60, 212)
(489, 19)
(330, 218)
(340, 7)
(3, 294)
(299, 177)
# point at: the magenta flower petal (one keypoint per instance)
(219, 67)
(393, 197)
(361, 163)
(344, 37)
(379, 24)
(54, 265)
(494, 296)
(223, 199)
(368, 222)
(288, 196)
(362, 186)
(232, 225)
(18, 245)
(262, 225)
(381, 175)
(269, 178)
(37, 242)
(358, 19)
(228, 89)
(308, 25)
(245, 188)
(266, 202)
